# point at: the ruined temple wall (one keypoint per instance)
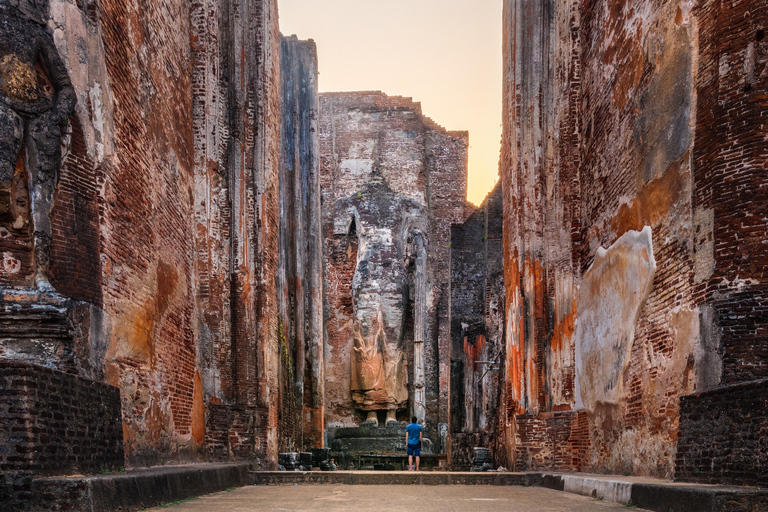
(300, 266)
(165, 220)
(477, 331)
(360, 133)
(237, 147)
(600, 135)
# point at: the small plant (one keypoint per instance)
(626, 473)
(121, 470)
(697, 471)
(103, 470)
(359, 195)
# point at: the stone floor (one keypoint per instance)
(385, 498)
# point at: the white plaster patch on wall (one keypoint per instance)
(738, 284)
(611, 296)
(703, 244)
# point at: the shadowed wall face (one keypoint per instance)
(300, 265)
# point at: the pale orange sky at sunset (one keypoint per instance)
(444, 53)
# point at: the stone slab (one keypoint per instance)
(134, 490)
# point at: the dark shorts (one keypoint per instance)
(414, 450)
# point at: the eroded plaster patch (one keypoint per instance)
(611, 295)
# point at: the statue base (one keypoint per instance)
(349, 443)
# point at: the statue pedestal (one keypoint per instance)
(38, 328)
(349, 443)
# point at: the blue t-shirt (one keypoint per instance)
(413, 433)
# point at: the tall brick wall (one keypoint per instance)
(236, 134)
(300, 262)
(730, 194)
(619, 116)
(165, 222)
(367, 132)
(477, 331)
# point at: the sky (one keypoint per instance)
(445, 54)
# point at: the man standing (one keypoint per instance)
(413, 442)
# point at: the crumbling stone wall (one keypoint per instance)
(369, 142)
(55, 422)
(300, 259)
(620, 120)
(477, 331)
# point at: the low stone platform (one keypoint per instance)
(134, 490)
(382, 440)
(392, 478)
(646, 493)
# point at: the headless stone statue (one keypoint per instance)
(380, 293)
(31, 119)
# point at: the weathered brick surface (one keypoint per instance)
(557, 441)
(166, 216)
(300, 262)
(477, 330)
(731, 180)
(236, 134)
(619, 116)
(56, 423)
(365, 132)
(724, 435)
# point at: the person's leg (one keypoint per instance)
(11, 135)
(43, 142)
(410, 463)
(417, 462)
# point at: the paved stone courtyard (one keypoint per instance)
(385, 498)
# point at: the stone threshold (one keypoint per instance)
(660, 495)
(653, 494)
(135, 489)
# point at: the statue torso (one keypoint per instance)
(20, 41)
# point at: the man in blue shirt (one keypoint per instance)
(413, 442)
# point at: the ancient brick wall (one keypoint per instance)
(368, 138)
(56, 423)
(165, 220)
(477, 329)
(724, 435)
(300, 261)
(236, 134)
(613, 166)
(730, 197)
(552, 441)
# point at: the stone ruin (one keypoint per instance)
(203, 259)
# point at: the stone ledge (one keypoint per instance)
(134, 490)
(392, 478)
(660, 495)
